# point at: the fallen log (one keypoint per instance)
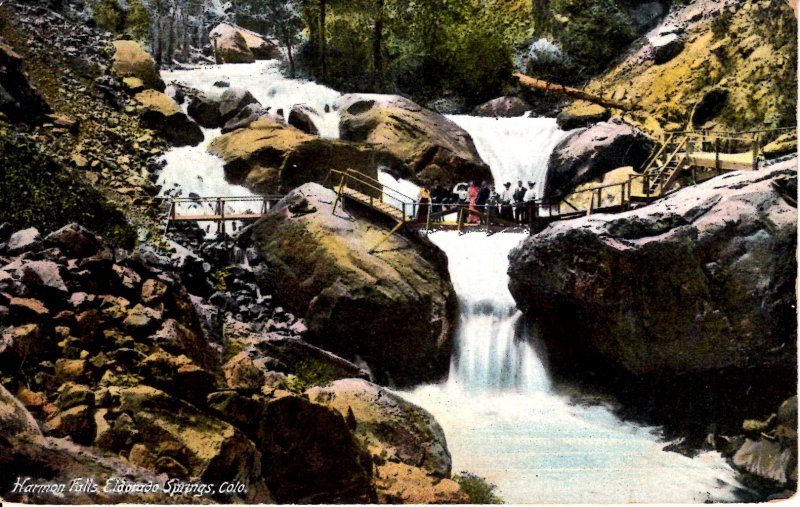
(546, 86)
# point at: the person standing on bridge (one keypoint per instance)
(483, 198)
(424, 201)
(506, 196)
(473, 198)
(438, 197)
(528, 201)
(519, 202)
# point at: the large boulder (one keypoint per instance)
(302, 117)
(162, 114)
(321, 268)
(269, 156)
(182, 439)
(214, 110)
(581, 114)
(235, 44)
(391, 428)
(15, 418)
(696, 283)
(430, 145)
(19, 100)
(130, 60)
(311, 456)
(503, 107)
(590, 153)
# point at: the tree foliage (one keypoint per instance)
(422, 48)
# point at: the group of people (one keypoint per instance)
(509, 205)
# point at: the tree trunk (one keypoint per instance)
(323, 43)
(377, 42)
(290, 56)
(155, 31)
(546, 86)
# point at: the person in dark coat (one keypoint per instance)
(438, 197)
(483, 197)
(519, 202)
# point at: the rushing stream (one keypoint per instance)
(502, 417)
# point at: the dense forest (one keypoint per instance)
(427, 49)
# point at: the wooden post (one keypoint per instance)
(428, 221)
(716, 158)
(647, 188)
(755, 153)
(600, 198)
(221, 205)
(338, 194)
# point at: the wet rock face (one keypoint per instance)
(429, 145)
(321, 268)
(590, 153)
(503, 107)
(700, 281)
(269, 156)
(162, 114)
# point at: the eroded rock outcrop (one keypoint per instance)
(430, 145)
(162, 114)
(503, 107)
(131, 61)
(590, 153)
(698, 282)
(321, 268)
(235, 44)
(269, 156)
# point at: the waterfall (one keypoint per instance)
(491, 351)
(502, 417)
(192, 170)
(515, 148)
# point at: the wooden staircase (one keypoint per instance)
(665, 166)
(370, 192)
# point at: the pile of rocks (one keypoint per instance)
(108, 360)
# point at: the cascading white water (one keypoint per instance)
(501, 416)
(490, 354)
(515, 148)
(193, 170)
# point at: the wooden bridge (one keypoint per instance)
(702, 154)
(219, 209)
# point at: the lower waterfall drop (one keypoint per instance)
(504, 421)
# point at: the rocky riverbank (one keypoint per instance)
(114, 356)
(689, 303)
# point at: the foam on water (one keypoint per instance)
(504, 422)
(515, 148)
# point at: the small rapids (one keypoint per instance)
(501, 415)
(504, 421)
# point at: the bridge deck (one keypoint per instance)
(375, 203)
(727, 161)
(216, 217)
